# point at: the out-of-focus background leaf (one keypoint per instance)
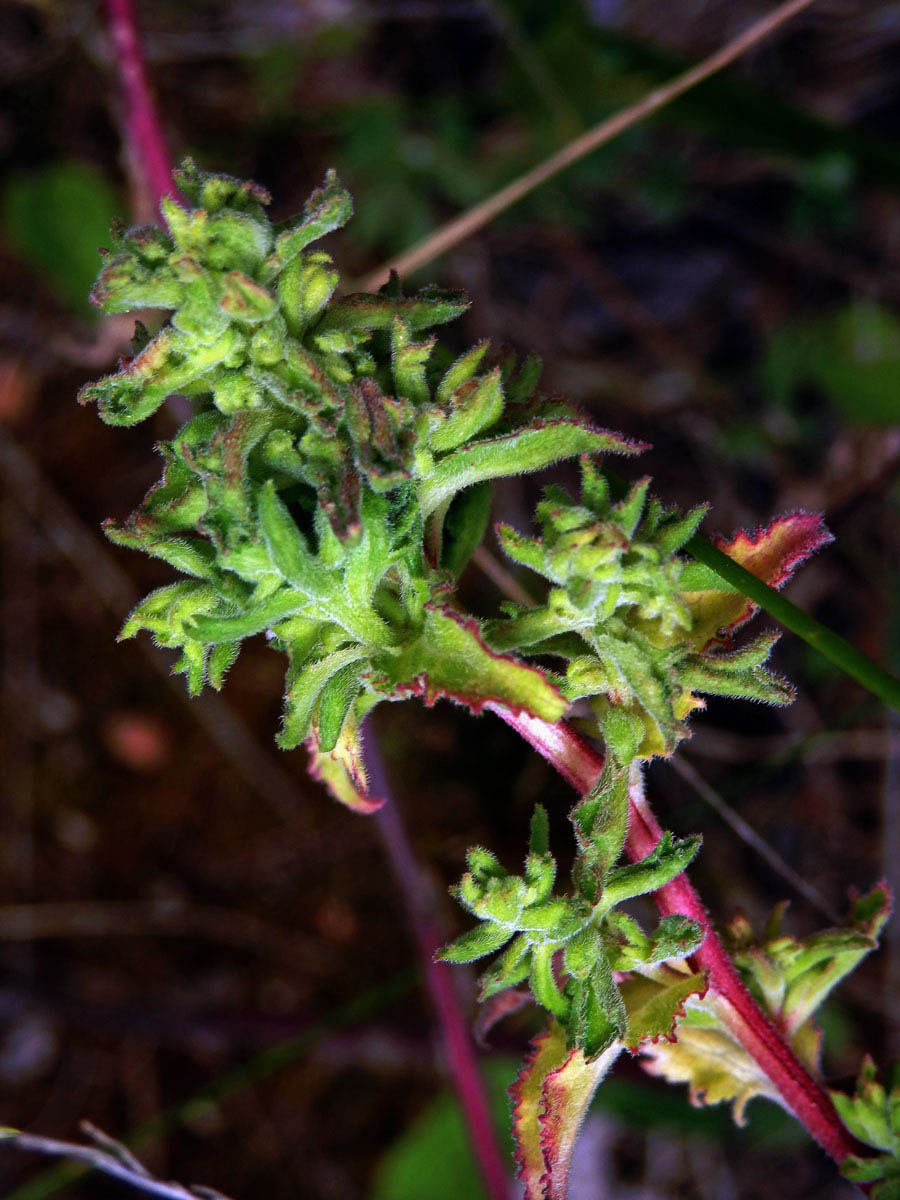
(56, 216)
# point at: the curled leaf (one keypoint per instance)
(550, 1098)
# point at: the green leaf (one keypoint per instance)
(373, 555)
(166, 611)
(539, 833)
(509, 970)
(793, 977)
(246, 300)
(598, 1012)
(522, 550)
(295, 562)
(304, 289)
(474, 406)
(526, 450)
(666, 860)
(870, 1170)
(327, 209)
(653, 1008)
(188, 555)
(872, 1114)
(675, 937)
(220, 660)
(475, 943)
(623, 732)
(483, 864)
(304, 686)
(700, 674)
(543, 982)
(460, 372)
(634, 667)
(335, 701)
(215, 629)
(408, 363)
(161, 369)
(464, 526)
(601, 818)
(363, 311)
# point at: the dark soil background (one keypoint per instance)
(192, 935)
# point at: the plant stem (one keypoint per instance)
(580, 764)
(145, 145)
(459, 1052)
(829, 644)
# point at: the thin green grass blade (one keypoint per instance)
(829, 644)
(845, 656)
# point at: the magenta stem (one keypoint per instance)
(458, 1048)
(145, 144)
(580, 764)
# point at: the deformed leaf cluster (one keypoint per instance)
(625, 609)
(790, 978)
(583, 939)
(335, 476)
(330, 486)
(872, 1114)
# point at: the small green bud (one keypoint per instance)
(483, 864)
(245, 300)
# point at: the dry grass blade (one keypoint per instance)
(110, 1158)
(751, 838)
(482, 214)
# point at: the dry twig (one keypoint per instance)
(482, 214)
(109, 1157)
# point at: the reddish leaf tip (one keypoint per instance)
(773, 552)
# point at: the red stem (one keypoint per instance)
(459, 1052)
(145, 144)
(580, 764)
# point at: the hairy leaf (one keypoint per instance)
(550, 1098)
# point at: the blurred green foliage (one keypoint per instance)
(432, 1159)
(850, 355)
(56, 216)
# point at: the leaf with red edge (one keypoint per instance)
(654, 1006)
(451, 660)
(790, 978)
(772, 554)
(712, 1063)
(342, 770)
(550, 1098)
